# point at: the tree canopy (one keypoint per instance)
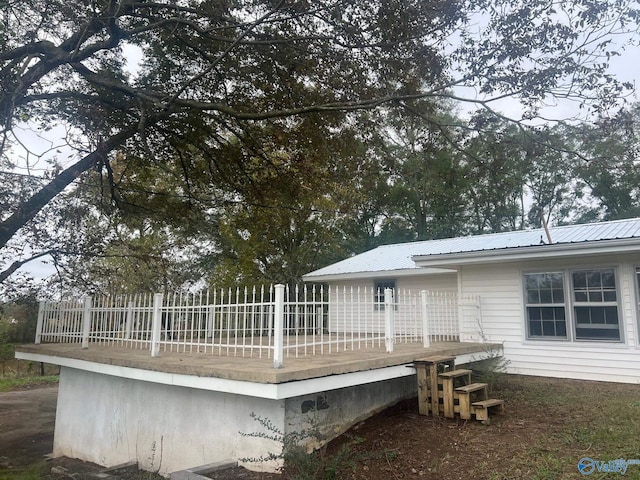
(222, 86)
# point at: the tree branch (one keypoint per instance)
(29, 209)
(19, 263)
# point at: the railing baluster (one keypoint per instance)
(252, 323)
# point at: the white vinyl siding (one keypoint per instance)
(447, 282)
(354, 300)
(504, 313)
(612, 362)
(504, 320)
(500, 291)
(635, 286)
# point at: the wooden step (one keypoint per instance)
(454, 379)
(473, 387)
(482, 408)
(491, 402)
(448, 379)
(455, 373)
(464, 395)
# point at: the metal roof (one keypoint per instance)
(399, 257)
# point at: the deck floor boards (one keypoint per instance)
(254, 369)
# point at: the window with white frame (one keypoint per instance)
(545, 306)
(595, 305)
(589, 312)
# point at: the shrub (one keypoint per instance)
(297, 462)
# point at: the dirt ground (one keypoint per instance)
(395, 444)
(27, 419)
(548, 426)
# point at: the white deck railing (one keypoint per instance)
(271, 322)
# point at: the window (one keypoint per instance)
(589, 312)
(545, 305)
(378, 292)
(595, 305)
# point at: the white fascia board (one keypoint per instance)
(252, 389)
(371, 275)
(165, 378)
(345, 380)
(599, 247)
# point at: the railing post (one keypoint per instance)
(86, 322)
(40, 323)
(426, 336)
(278, 327)
(156, 323)
(388, 319)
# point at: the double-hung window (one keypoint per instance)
(575, 304)
(546, 315)
(595, 305)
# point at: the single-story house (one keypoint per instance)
(563, 305)
(563, 302)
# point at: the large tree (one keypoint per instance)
(428, 178)
(287, 220)
(610, 181)
(497, 166)
(209, 69)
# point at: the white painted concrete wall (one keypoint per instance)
(503, 319)
(110, 420)
(335, 411)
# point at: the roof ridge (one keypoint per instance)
(600, 222)
(489, 234)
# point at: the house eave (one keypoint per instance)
(377, 274)
(534, 252)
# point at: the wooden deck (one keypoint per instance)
(259, 370)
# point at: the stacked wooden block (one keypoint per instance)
(447, 391)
